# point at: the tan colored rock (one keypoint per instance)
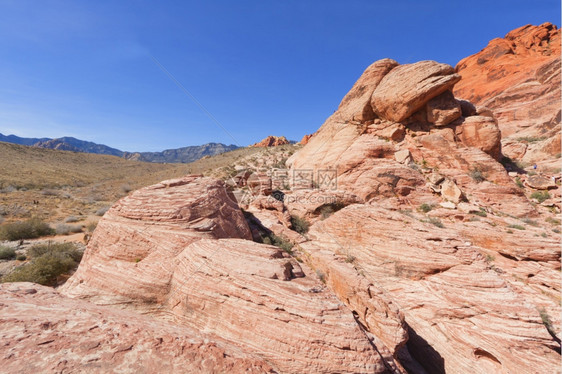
(540, 182)
(482, 133)
(448, 205)
(467, 208)
(44, 332)
(443, 109)
(403, 156)
(407, 88)
(390, 131)
(451, 192)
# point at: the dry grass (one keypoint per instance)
(53, 185)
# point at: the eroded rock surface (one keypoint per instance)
(45, 332)
(518, 77)
(158, 251)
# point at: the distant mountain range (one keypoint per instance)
(185, 154)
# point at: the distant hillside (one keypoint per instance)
(22, 141)
(183, 155)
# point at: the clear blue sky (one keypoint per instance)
(262, 67)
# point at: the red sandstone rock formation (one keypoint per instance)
(518, 77)
(271, 141)
(158, 251)
(305, 139)
(44, 332)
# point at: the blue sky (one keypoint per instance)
(262, 67)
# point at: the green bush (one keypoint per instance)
(481, 213)
(436, 222)
(300, 225)
(48, 262)
(426, 207)
(540, 196)
(21, 257)
(517, 227)
(278, 241)
(67, 249)
(7, 253)
(32, 228)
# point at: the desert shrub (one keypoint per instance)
(21, 257)
(64, 229)
(547, 322)
(48, 262)
(278, 241)
(481, 213)
(477, 174)
(426, 207)
(101, 211)
(529, 221)
(434, 221)
(126, 188)
(49, 192)
(540, 196)
(300, 225)
(553, 221)
(329, 209)
(68, 249)
(32, 228)
(71, 219)
(519, 183)
(516, 227)
(91, 226)
(531, 139)
(321, 276)
(350, 259)
(7, 253)
(556, 230)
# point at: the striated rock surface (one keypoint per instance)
(44, 332)
(518, 77)
(271, 141)
(361, 147)
(407, 88)
(158, 251)
(462, 314)
(129, 257)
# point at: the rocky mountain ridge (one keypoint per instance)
(178, 155)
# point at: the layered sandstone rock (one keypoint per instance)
(44, 332)
(271, 141)
(158, 251)
(360, 141)
(407, 88)
(518, 77)
(462, 313)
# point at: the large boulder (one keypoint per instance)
(482, 133)
(45, 332)
(159, 251)
(407, 88)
